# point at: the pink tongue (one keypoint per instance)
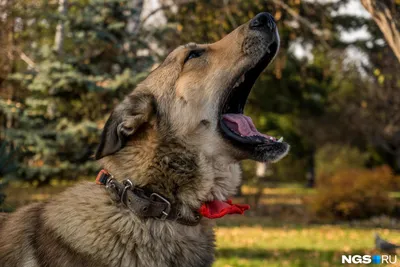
(242, 125)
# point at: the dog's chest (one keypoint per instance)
(114, 237)
(183, 252)
(158, 248)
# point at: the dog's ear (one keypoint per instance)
(135, 111)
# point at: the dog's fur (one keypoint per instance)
(163, 136)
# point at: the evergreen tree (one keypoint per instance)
(74, 84)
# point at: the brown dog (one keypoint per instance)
(178, 138)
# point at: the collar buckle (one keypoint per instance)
(167, 210)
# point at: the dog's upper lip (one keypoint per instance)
(236, 95)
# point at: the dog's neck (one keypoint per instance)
(174, 169)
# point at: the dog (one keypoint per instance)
(170, 153)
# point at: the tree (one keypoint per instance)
(372, 107)
(368, 98)
(60, 30)
(386, 15)
(7, 166)
(83, 66)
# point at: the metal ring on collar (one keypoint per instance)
(128, 185)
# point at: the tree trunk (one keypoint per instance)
(261, 169)
(397, 163)
(388, 21)
(59, 38)
(136, 7)
(310, 175)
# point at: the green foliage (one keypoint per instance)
(7, 163)
(69, 95)
(7, 166)
(332, 158)
(353, 194)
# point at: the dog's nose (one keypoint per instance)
(263, 21)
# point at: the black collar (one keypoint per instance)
(143, 202)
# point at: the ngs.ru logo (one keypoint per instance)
(367, 259)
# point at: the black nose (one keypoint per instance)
(263, 21)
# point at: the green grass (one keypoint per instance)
(293, 245)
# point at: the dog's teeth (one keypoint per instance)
(239, 81)
(280, 140)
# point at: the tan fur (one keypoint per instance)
(3, 216)
(163, 136)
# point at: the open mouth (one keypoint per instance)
(235, 126)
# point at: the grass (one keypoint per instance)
(293, 245)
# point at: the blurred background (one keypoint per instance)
(333, 93)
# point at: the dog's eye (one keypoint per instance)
(194, 54)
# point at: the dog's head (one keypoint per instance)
(197, 96)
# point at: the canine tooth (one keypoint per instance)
(280, 140)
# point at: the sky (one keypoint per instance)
(353, 7)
